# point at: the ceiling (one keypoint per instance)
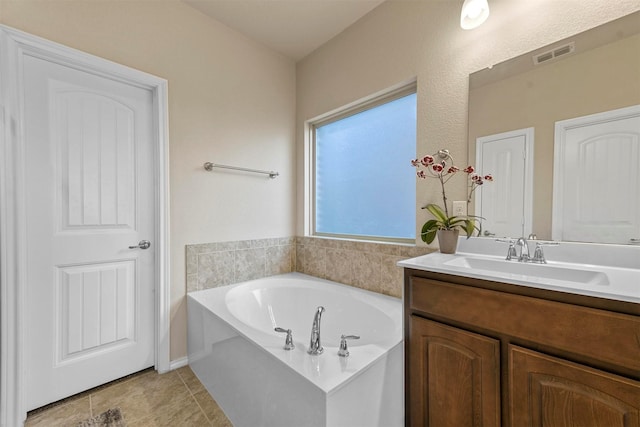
(294, 28)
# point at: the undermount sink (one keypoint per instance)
(530, 271)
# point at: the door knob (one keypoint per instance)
(144, 244)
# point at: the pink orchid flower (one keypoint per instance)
(427, 160)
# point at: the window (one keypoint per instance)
(362, 183)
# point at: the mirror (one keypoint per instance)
(592, 72)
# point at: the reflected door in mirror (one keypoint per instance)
(596, 178)
(505, 205)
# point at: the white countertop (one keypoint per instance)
(619, 282)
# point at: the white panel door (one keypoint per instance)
(89, 298)
(505, 203)
(596, 194)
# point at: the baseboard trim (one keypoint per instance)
(178, 363)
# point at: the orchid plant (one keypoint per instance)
(440, 166)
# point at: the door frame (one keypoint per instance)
(14, 46)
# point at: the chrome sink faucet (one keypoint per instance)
(525, 254)
(524, 249)
(315, 347)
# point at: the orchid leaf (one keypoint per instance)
(443, 222)
(437, 211)
(429, 231)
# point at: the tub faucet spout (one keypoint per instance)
(315, 347)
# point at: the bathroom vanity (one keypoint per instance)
(506, 351)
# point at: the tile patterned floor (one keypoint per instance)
(146, 399)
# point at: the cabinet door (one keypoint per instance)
(454, 377)
(545, 391)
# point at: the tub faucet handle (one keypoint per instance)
(344, 351)
(288, 341)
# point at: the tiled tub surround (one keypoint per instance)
(210, 265)
(366, 265)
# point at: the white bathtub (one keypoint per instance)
(240, 359)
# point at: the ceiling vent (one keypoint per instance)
(553, 54)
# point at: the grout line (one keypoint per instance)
(193, 396)
(180, 376)
(185, 384)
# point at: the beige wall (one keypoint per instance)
(230, 101)
(594, 81)
(401, 40)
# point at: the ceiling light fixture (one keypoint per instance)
(474, 13)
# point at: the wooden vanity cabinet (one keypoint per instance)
(455, 376)
(548, 391)
(481, 353)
